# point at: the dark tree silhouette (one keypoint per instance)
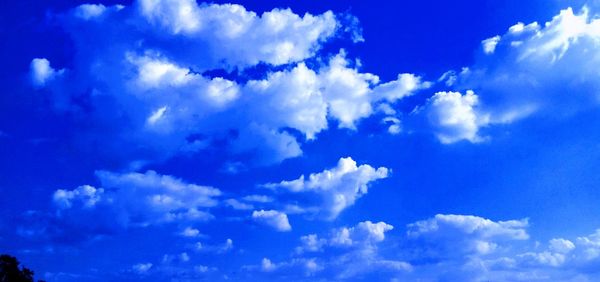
(11, 272)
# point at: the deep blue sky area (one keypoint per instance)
(174, 140)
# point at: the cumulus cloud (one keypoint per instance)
(138, 199)
(472, 248)
(337, 188)
(455, 117)
(446, 235)
(528, 70)
(275, 219)
(155, 81)
(238, 36)
(363, 234)
(489, 45)
(87, 195)
(40, 72)
(561, 245)
(345, 252)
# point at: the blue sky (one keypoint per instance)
(174, 140)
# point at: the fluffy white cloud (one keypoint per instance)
(364, 234)
(91, 11)
(455, 117)
(405, 85)
(190, 232)
(275, 219)
(338, 188)
(471, 248)
(300, 98)
(338, 259)
(153, 86)
(448, 235)
(138, 199)
(560, 245)
(528, 70)
(40, 72)
(353, 251)
(489, 45)
(347, 91)
(291, 98)
(238, 36)
(86, 194)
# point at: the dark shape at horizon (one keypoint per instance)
(11, 272)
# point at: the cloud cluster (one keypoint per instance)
(344, 253)
(149, 68)
(445, 247)
(137, 199)
(364, 234)
(336, 188)
(237, 36)
(447, 235)
(528, 70)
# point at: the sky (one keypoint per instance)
(175, 140)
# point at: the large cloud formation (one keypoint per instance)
(527, 71)
(446, 247)
(165, 77)
(150, 68)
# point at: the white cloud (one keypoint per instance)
(311, 243)
(139, 199)
(405, 85)
(237, 205)
(154, 81)
(177, 15)
(218, 249)
(297, 267)
(275, 219)
(90, 11)
(190, 232)
(348, 252)
(489, 45)
(86, 194)
(560, 245)
(290, 98)
(267, 265)
(455, 117)
(239, 36)
(542, 258)
(395, 125)
(364, 234)
(142, 268)
(249, 202)
(347, 91)
(529, 70)
(451, 234)
(41, 72)
(258, 198)
(338, 187)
